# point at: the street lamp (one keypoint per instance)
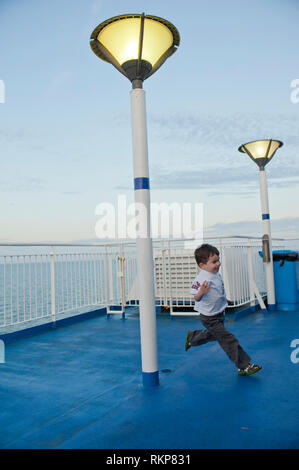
(137, 45)
(261, 152)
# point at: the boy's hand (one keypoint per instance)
(204, 288)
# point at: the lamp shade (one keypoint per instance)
(261, 151)
(137, 45)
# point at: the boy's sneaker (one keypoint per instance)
(187, 344)
(250, 369)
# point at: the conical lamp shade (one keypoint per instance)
(261, 151)
(135, 43)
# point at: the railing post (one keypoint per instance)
(4, 291)
(122, 280)
(170, 279)
(251, 278)
(2, 352)
(224, 274)
(164, 277)
(52, 270)
(111, 280)
(253, 287)
(106, 279)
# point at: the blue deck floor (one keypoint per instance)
(79, 387)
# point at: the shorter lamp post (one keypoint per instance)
(137, 45)
(261, 152)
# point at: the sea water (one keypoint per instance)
(82, 282)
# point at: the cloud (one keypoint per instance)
(218, 180)
(284, 227)
(12, 136)
(206, 140)
(217, 131)
(26, 184)
(237, 179)
(197, 151)
(204, 150)
(231, 130)
(71, 192)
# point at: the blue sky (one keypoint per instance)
(65, 129)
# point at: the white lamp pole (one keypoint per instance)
(261, 152)
(267, 231)
(137, 45)
(145, 267)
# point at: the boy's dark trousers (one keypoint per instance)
(215, 331)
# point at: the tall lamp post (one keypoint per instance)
(137, 45)
(261, 152)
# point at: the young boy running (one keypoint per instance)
(210, 301)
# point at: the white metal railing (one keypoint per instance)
(242, 270)
(35, 287)
(44, 286)
(175, 270)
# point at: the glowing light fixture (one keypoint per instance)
(261, 151)
(136, 44)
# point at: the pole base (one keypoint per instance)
(150, 379)
(271, 307)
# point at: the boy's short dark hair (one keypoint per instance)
(203, 253)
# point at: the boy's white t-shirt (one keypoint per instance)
(214, 301)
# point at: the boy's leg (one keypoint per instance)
(228, 342)
(198, 337)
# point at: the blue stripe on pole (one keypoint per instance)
(265, 216)
(141, 183)
(150, 379)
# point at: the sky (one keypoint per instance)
(65, 122)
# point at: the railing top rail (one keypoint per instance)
(243, 237)
(133, 241)
(116, 243)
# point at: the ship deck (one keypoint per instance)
(79, 386)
